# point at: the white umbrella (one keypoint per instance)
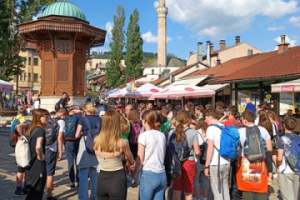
(146, 90)
(6, 86)
(119, 93)
(177, 91)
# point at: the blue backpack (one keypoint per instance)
(293, 159)
(71, 123)
(229, 141)
(13, 135)
(92, 133)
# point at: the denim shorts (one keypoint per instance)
(50, 161)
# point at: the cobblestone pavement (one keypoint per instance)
(8, 172)
(8, 175)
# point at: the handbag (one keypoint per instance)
(140, 172)
(127, 163)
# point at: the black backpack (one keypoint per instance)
(51, 131)
(203, 148)
(56, 107)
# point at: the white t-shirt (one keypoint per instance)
(214, 133)
(264, 133)
(61, 128)
(36, 104)
(156, 162)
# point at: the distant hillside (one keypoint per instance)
(148, 56)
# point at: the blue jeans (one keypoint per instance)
(84, 173)
(152, 185)
(71, 150)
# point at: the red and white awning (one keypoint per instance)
(289, 86)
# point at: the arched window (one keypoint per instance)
(152, 71)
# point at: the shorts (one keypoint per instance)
(197, 179)
(204, 181)
(186, 182)
(21, 169)
(50, 161)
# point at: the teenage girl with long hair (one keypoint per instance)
(188, 168)
(109, 149)
(150, 159)
(36, 174)
(265, 122)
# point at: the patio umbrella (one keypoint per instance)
(146, 90)
(110, 92)
(177, 91)
(119, 93)
(5, 86)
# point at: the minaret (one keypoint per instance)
(162, 12)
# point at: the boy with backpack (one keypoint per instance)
(288, 179)
(252, 173)
(216, 166)
(72, 145)
(55, 130)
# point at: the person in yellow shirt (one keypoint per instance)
(20, 116)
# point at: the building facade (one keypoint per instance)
(30, 79)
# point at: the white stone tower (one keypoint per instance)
(162, 12)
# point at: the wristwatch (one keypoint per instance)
(206, 167)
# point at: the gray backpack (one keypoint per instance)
(254, 146)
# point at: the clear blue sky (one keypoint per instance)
(258, 22)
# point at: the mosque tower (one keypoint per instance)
(162, 12)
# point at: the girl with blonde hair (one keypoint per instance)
(86, 162)
(109, 149)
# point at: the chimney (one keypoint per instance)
(166, 72)
(211, 48)
(191, 53)
(237, 40)
(171, 79)
(208, 53)
(218, 62)
(199, 52)
(283, 46)
(222, 44)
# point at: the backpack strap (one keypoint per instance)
(291, 137)
(88, 124)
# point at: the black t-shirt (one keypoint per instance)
(36, 133)
(62, 102)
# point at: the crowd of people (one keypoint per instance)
(109, 150)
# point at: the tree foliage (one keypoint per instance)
(113, 71)
(134, 47)
(12, 13)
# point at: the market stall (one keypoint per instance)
(5, 86)
(289, 95)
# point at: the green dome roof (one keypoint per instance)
(64, 9)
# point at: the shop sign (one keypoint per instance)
(254, 84)
(287, 88)
(268, 96)
(248, 84)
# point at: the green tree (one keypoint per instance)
(12, 13)
(113, 71)
(134, 47)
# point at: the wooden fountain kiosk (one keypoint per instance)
(63, 38)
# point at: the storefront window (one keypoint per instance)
(243, 94)
(287, 101)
